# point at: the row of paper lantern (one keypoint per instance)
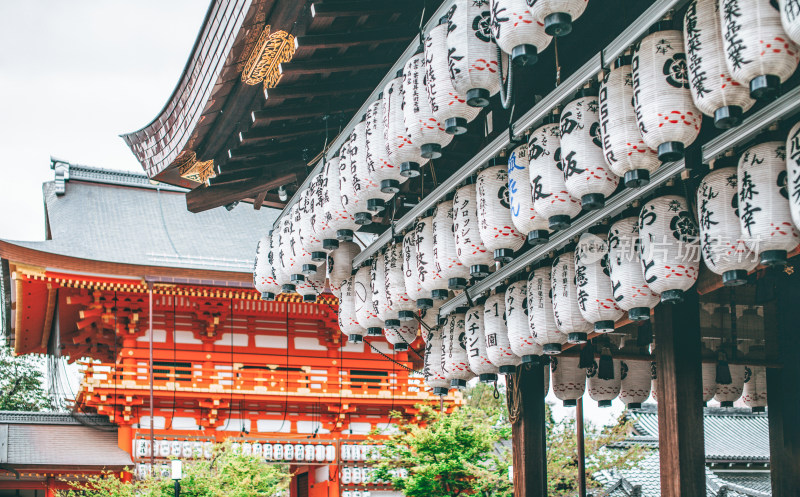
(205, 450)
(358, 476)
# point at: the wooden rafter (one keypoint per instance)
(279, 132)
(204, 198)
(314, 109)
(323, 9)
(334, 64)
(356, 38)
(282, 92)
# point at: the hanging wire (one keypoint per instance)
(507, 86)
(558, 65)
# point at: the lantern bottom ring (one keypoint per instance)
(672, 296)
(558, 24)
(344, 235)
(319, 256)
(440, 391)
(726, 403)
(478, 97)
(639, 314)
(487, 378)
(538, 237)
(363, 218)
(431, 150)
(637, 178)
(267, 296)
(295, 278)
(773, 257)
(759, 409)
(634, 405)
(458, 384)
(330, 244)
(478, 271)
(410, 169)
(374, 331)
(400, 347)
(376, 205)
(390, 186)
(440, 294)
(455, 126)
(503, 256)
(508, 369)
(593, 201)
(605, 326)
(309, 299)
(670, 151)
(765, 87)
(552, 348)
(559, 222)
(524, 55)
(288, 288)
(355, 338)
(735, 277)
(457, 283)
(391, 324)
(577, 337)
(603, 403)
(309, 269)
(728, 117)
(406, 315)
(570, 402)
(424, 303)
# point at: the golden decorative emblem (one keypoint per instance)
(197, 171)
(270, 51)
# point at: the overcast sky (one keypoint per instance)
(74, 75)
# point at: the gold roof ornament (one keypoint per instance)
(270, 51)
(197, 171)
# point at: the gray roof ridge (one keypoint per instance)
(101, 175)
(53, 418)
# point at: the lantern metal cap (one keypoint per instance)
(376, 205)
(406, 315)
(457, 283)
(672, 296)
(440, 294)
(559, 222)
(508, 369)
(330, 244)
(461, 309)
(524, 55)
(309, 269)
(478, 97)
(455, 126)
(424, 303)
(363, 218)
(400, 347)
(558, 24)
(288, 288)
(604, 326)
(552, 348)
(267, 296)
(765, 87)
(431, 150)
(589, 91)
(500, 160)
(577, 337)
(634, 405)
(503, 255)
(639, 314)
(662, 25)
(487, 378)
(471, 180)
(399, 73)
(623, 60)
(603, 403)
(374, 331)
(538, 237)
(479, 271)
(390, 186)
(570, 402)
(391, 324)
(670, 151)
(551, 118)
(637, 178)
(773, 257)
(410, 169)
(759, 409)
(593, 201)
(440, 391)
(355, 338)
(444, 20)
(319, 256)
(458, 384)
(728, 117)
(532, 359)
(344, 235)
(309, 298)
(735, 277)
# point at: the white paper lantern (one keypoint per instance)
(754, 392)
(263, 270)
(337, 223)
(569, 381)
(380, 170)
(448, 106)
(758, 51)
(299, 259)
(525, 218)
(434, 376)
(668, 119)
(472, 54)
(635, 383)
(709, 374)
(422, 126)
(593, 281)
(586, 174)
(566, 311)
(494, 212)
(479, 362)
(669, 245)
(604, 391)
(623, 146)
(340, 266)
(625, 264)
(540, 311)
(517, 320)
(455, 362)
(790, 18)
(313, 285)
(366, 313)
(726, 395)
(280, 238)
(498, 346)
(653, 381)
(400, 150)
(714, 90)
(469, 247)
(401, 337)
(400, 306)
(557, 15)
(380, 302)
(366, 189)
(413, 285)
(517, 32)
(550, 196)
(348, 323)
(724, 251)
(793, 168)
(430, 319)
(432, 281)
(447, 263)
(764, 212)
(310, 209)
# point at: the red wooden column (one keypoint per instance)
(680, 400)
(526, 408)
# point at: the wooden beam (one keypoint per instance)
(279, 132)
(204, 198)
(360, 8)
(322, 88)
(389, 34)
(783, 390)
(259, 200)
(680, 400)
(247, 170)
(313, 109)
(526, 407)
(245, 152)
(334, 64)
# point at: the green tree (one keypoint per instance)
(21, 383)
(229, 474)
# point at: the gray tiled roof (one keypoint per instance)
(756, 480)
(117, 216)
(731, 434)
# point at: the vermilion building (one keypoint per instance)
(122, 257)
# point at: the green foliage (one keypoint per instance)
(228, 474)
(21, 383)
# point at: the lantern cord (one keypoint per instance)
(363, 245)
(512, 399)
(433, 174)
(410, 370)
(421, 322)
(422, 23)
(507, 86)
(495, 393)
(558, 65)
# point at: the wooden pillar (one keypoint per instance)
(581, 439)
(526, 406)
(783, 383)
(680, 400)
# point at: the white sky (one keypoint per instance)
(73, 76)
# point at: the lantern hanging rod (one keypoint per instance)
(782, 108)
(564, 91)
(334, 146)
